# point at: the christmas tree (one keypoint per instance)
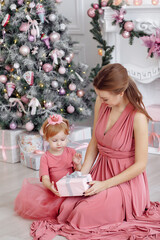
(38, 76)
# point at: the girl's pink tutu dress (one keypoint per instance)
(35, 201)
(120, 212)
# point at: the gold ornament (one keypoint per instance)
(4, 90)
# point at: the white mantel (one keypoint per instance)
(145, 71)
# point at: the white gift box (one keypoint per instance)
(79, 133)
(32, 160)
(9, 148)
(80, 146)
(74, 184)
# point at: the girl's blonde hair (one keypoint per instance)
(51, 130)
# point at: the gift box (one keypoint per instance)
(74, 184)
(80, 146)
(154, 137)
(79, 133)
(29, 143)
(32, 160)
(9, 148)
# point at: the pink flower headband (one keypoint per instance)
(55, 119)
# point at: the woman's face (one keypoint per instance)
(109, 98)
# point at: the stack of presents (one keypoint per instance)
(27, 148)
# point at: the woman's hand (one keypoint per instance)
(53, 189)
(77, 159)
(96, 187)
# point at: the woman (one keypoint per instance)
(118, 198)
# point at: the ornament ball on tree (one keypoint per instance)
(3, 79)
(70, 109)
(80, 93)
(91, 12)
(29, 126)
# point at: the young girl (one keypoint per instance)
(36, 200)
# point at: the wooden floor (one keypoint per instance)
(13, 227)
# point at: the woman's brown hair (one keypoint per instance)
(115, 78)
(51, 130)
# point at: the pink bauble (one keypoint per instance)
(13, 125)
(24, 27)
(126, 34)
(19, 114)
(62, 70)
(129, 26)
(70, 109)
(103, 4)
(58, 1)
(52, 17)
(8, 67)
(95, 5)
(80, 93)
(31, 38)
(54, 37)
(72, 86)
(48, 105)
(91, 12)
(24, 50)
(100, 10)
(3, 79)
(24, 99)
(54, 84)
(47, 67)
(33, 32)
(29, 126)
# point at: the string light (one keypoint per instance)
(155, 2)
(100, 52)
(15, 41)
(61, 109)
(18, 78)
(71, 71)
(137, 2)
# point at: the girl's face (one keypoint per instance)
(57, 143)
(109, 98)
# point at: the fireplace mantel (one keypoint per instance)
(134, 57)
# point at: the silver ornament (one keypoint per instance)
(13, 7)
(52, 17)
(54, 37)
(16, 65)
(62, 27)
(54, 84)
(24, 50)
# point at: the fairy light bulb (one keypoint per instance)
(155, 2)
(117, 2)
(137, 2)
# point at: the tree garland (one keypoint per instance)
(152, 42)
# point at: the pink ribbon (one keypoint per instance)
(3, 147)
(80, 146)
(14, 101)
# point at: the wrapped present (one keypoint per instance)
(9, 148)
(74, 184)
(29, 142)
(79, 133)
(32, 160)
(80, 146)
(154, 137)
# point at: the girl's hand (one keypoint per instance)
(54, 190)
(96, 187)
(77, 159)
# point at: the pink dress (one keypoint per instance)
(120, 212)
(35, 201)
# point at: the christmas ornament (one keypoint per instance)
(129, 26)
(125, 34)
(8, 68)
(25, 99)
(55, 54)
(13, 7)
(70, 109)
(48, 105)
(31, 38)
(13, 125)
(16, 65)
(100, 10)
(20, 2)
(24, 50)
(71, 55)
(29, 77)
(32, 5)
(62, 91)
(45, 39)
(10, 86)
(80, 93)
(54, 37)
(91, 12)
(24, 27)
(33, 104)
(52, 17)
(95, 6)
(62, 70)
(19, 114)
(72, 86)
(35, 50)
(47, 67)
(54, 84)
(29, 126)
(3, 79)
(1, 41)
(103, 4)
(62, 27)
(68, 59)
(58, 1)
(40, 11)
(6, 20)
(1, 59)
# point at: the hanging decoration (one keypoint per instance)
(127, 30)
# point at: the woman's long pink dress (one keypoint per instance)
(120, 212)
